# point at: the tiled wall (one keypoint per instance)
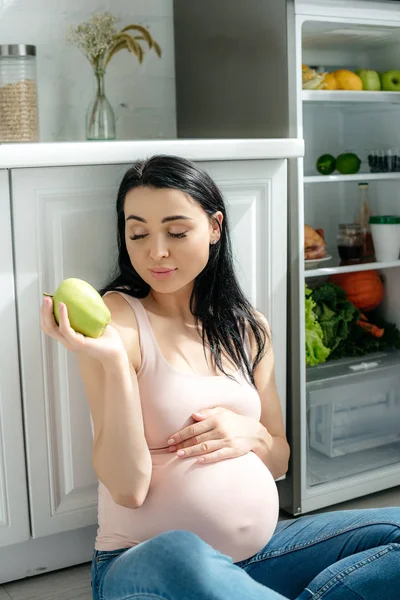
(143, 96)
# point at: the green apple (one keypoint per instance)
(391, 81)
(88, 313)
(370, 79)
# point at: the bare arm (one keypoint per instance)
(121, 458)
(272, 446)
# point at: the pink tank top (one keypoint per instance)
(231, 504)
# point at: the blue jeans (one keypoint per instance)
(340, 555)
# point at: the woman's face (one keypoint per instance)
(168, 237)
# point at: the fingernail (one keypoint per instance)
(181, 452)
(171, 441)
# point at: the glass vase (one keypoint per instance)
(100, 118)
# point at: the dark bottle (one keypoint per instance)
(350, 242)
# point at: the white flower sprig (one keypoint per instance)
(99, 40)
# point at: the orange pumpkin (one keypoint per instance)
(364, 289)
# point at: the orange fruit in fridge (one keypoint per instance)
(329, 82)
(347, 80)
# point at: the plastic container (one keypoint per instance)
(385, 231)
(350, 241)
(18, 93)
(353, 415)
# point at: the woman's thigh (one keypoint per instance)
(302, 548)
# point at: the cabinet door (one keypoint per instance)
(255, 192)
(14, 514)
(64, 226)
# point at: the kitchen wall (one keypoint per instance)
(142, 96)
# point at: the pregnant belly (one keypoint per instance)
(232, 504)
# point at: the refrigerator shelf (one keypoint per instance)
(344, 96)
(335, 268)
(351, 178)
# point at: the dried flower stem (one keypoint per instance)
(99, 40)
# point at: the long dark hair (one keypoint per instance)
(217, 301)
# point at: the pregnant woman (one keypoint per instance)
(188, 434)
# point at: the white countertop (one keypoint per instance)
(94, 153)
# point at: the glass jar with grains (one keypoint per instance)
(18, 98)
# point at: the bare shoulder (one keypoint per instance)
(124, 320)
(263, 321)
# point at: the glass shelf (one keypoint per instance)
(344, 96)
(333, 266)
(351, 178)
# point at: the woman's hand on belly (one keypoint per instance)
(219, 434)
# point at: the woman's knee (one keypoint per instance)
(157, 563)
(388, 523)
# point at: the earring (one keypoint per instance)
(214, 242)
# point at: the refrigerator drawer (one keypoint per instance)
(353, 411)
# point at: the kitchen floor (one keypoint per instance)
(74, 583)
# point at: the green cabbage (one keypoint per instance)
(316, 352)
(335, 314)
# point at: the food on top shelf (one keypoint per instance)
(345, 330)
(342, 79)
(329, 82)
(314, 243)
(311, 80)
(391, 81)
(326, 164)
(347, 80)
(364, 289)
(348, 163)
(370, 79)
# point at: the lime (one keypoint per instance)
(326, 164)
(348, 163)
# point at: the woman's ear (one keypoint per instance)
(216, 226)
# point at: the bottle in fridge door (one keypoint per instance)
(362, 216)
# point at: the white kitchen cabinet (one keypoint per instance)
(64, 226)
(256, 192)
(14, 513)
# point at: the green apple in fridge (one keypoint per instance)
(370, 79)
(391, 81)
(87, 312)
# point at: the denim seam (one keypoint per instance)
(301, 546)
(144, 595)
(339, 576)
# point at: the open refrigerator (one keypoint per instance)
(245, 81)
(344, 421)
